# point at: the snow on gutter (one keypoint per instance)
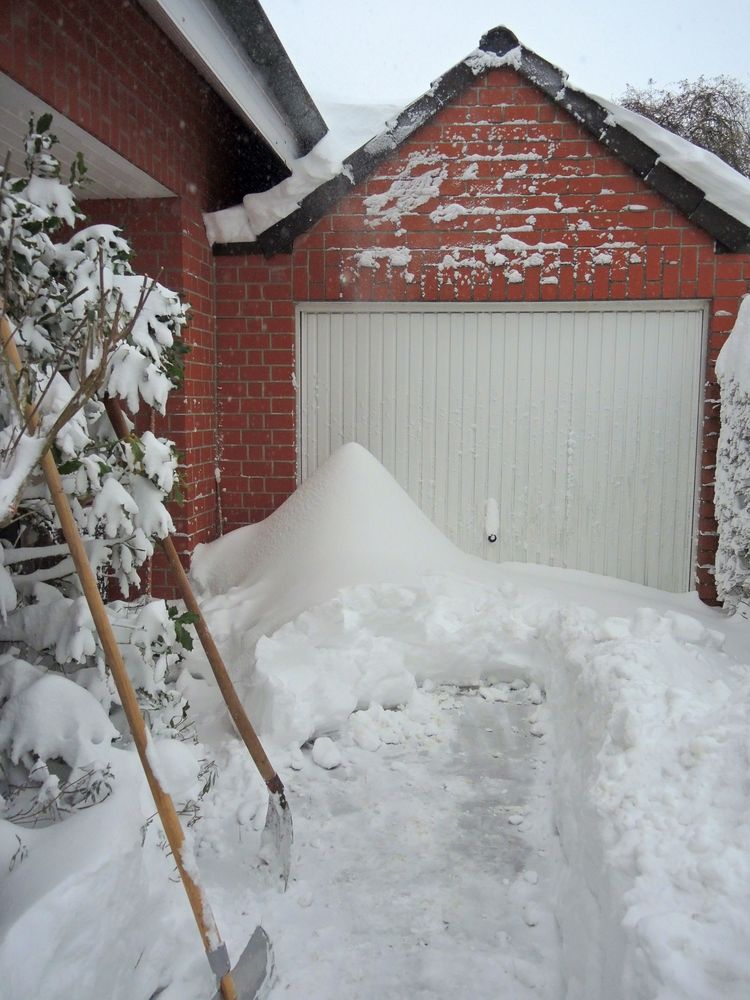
(351, 125)
(199, 30)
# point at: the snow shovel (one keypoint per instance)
(277, 833)
(256, 962)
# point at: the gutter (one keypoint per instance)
(235, 49)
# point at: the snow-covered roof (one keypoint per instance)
(711, 194)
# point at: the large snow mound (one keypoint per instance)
(349, 523)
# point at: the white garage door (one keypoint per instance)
(581, 421)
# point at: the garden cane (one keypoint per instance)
(257, 956)
(277, 833)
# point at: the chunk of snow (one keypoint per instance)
(480, 61)
(393, 256)
(55, 718)
(491, 518)
(325, 753)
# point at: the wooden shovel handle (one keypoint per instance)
(164, 804)
(233, 703)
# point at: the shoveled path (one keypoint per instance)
(424, 869)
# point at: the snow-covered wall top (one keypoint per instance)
(712, 194)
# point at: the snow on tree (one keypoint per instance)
(732, 497)
(87, 327)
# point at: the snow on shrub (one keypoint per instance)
(87, 327)
(732, 498)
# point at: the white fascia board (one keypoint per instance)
(197, 28)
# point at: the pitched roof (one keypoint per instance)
(709, 192)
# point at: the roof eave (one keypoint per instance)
(252, 27)
(216, 43)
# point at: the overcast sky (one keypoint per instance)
(388, 51)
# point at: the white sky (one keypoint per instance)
(388, 51)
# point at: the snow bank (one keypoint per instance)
(648, 716)
(650, 724)
(349, 524)
(732, 496)
(89, 908)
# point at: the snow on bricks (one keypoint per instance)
(501, 196)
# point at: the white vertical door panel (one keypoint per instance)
(580, 420)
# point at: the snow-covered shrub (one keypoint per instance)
(87, 327)
(733, 465)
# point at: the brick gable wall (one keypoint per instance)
(500, 197)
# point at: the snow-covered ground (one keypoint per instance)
(507, 781)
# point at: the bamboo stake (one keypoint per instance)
(239, 716)
(214, 946)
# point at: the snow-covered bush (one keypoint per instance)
(87, 327)
(733, 465)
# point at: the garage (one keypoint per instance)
(580, 420)
(515, 292)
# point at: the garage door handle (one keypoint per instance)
(491, 519)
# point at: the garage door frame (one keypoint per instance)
(652, 305)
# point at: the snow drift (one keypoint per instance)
(647, 715)
(347, 601)
(348, 523)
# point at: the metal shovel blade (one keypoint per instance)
(276, 839)
(252, 973)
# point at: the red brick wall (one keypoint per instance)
(109, 68)
(514, 164)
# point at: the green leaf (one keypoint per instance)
(73, 465)
(44, 122)
(182, 635)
